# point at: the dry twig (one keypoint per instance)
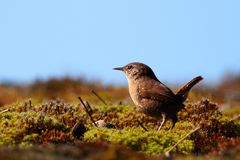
(100, 98)
(89, 107)
(6, 110)
(235, 117)
(91, 118)
(145, 129)
(191, 132)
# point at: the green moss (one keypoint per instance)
(6, 140)
(19, 127)
(28, 124)
(148, 142)
(30, 138)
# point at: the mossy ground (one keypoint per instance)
(29, 125)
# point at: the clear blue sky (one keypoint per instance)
(178, 39)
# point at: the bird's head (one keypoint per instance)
(136, 70)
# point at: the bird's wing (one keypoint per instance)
(156, 91)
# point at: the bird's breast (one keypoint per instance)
(133, 91)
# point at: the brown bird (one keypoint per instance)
(151, 96)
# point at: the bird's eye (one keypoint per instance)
(129, 67)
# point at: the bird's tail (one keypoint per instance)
(183, 90)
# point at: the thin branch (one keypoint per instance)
(191, 132)
(6, 110)
(87, 111)
(89, 107)
(30, 103)
(235, 117)
(100, 98)
(145, 129)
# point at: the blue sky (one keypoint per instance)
(178, 39)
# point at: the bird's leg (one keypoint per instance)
(174, 120)
(163, 121)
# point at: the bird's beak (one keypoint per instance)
(118, 68)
